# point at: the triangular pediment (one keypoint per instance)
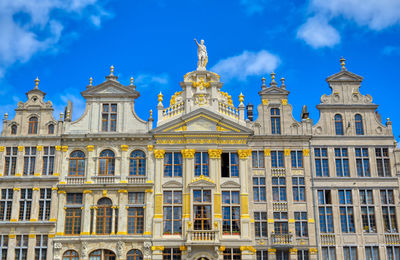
(111, 88)
(344, 75)
(230, 184)
(172, 184)
(202, 182)
(200, 121)
(274, 90)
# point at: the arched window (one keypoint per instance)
(102, 254)
(76, 164)
(339, 125)
(104, 216)
(70, 255)
(107, 163)
(51, 129)
(275, 121)
(33, 125)
(359, 125)
(134, 254)
(137, 163)
(14, 129)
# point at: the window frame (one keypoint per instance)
(342, 162)
(106, 217)
(44, 204)
(10, 161)
(260, 224)
(299, 189)
(277, 159)
(21, 247)
(25, 205)
(78, 161)
(33, 123)
(41, 247)
(389, 217)
(258, 159)
(201, 167)
(6, 202)
(296, 158)
(346, 211)
(279, 193)
(259, 189)
(362, 162)
(49, 155)
(275, 115)
(202, 206)
(339, 128)
(383, 164)
(325, 211)
(175, 169)
(176, 203)
(368, 217)
(138, 163)
(109, 161)
(29, 160)
(4, 240)
(232, 207)
(171, 254)
(301, 224)
(109, 118)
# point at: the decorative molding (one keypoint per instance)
(272, 251)
(267, 152)
(62, 192)
(122, 191)
(244, 154)
(150, 147)
(306, 152)
(87, 191)
(90, 148)
(293, 251)
(124, 147)
(284, 102)
(58, 147)
(157, 248)
(39, 148)
(16, 189)
(31, 235)
(149, 191)
(35, 188)
(248, 248)
(2, 148)
(20, 148)
(159, 154)
(64, 148)
(264, 101)
(287, 152)
(214, 153)
(188, 153)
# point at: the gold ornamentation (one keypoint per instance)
(18, 174)
(104, 193)
(311, 220)
(287, 152)
(201, 83)
(202, 177)
(123, 181)
(64, 148)
(122, 191)
(271, 220)
(33, 220)
(62, 182)
(189, 224)
(54, 188)
(160, 97)
(243, 154)
(62, 192)
(37, 174)
(248, 248)
(16, 189)
(157, 248)
(221, 248)
(150, 147)
(291, 220)
(267, 152)
(293, 251)
(284, 102)
(214, 153)
(313, 251)
(147, 233)
(149, 191)
(159, 154)
(11, 235)
(241, 97)
(31, 235)
(58, 147)
(1, 148)
(87, 191)
(306, 152)
(180, 129)
(272, 251)
(51, 235)
(90, 148)
(53, 220)
(35, 188)
(56, 174)
(221, 129)
(13, 220)
(183, 248)
(264, 101)
(20, 148)
(39, 148)
(124, 147)
(188, 153)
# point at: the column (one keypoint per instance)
(157, 252)
(86, 214)
(90, 161)
(31, 246)
(12, 244)
(158, 213)
(215, 169)
(61, 213)
(94, 219)
(39, 161)
(2, 159)
(293, 253)
(57, 161)
(313, 253)
(244, 195)
(15, 203)
(19, 168)
(113, 210)
(188, 159)
(53, 205)
(124, 170)
(271, 253)
(63, 164)
(148, 211)
(123, 213)
(35, 204)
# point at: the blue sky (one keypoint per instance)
(65, 42)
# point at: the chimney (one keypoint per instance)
(249, 108)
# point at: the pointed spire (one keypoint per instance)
(37, 83)
(263, 83)
(283, 83)
(273, 82)
(342, 63)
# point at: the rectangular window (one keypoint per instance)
(299, 189)
(135, 198)
(367, 211)
(3, 247)
(201, 164)
(281, 223)
(21, 249)
(342, 162)
(44, 204)
(262, 254)
(259, 188)
(135, 220)
(302, 255)
(48, 160)
(371, 253)
(282, 255)
(29, 160)
(6, 204)
(321, 162)
(202, 209)
(109, 118)
(325, 211)
(278, 188)
(301, 227)
(275, 121)
(229, 165)
(173, 164)
(260, 224)
(362, 162)
(277, 159)
(41, 247)
(172, 254)
(258, 159)
(73, 214)
(393, 252)
(328, 253)
(346, 211)
(74, 198)
(10, 161)
(172, 212)
(231, 213)
(297, 159)
(388, 211)
(383, 162)
(232, 254)
(25, 204)
(350, 252)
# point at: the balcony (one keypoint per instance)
(392, 239)
(202, 236)
(278, 172)
(328, 239)
(281, 239)
(280, 206)
(105, 179)
(136, 179)
(75, 180)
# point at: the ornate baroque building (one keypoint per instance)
(208, 182)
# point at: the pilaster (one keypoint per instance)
(123, 212)
(19, 168)
(15, 203)
(158, 215)
(39, 161)
(61, 212)
(86, 214)
(244, 195)
(35, 204)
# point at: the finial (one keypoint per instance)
(160, 97)
(342, 63)
(263, 81)
(112, 70)
(90, 81)
(388, 119)
(151, 113)
(241, 97)
(131, 80)
(5, 116)
(283, 83)
(273, 82)
(37, 82)
(61, 116)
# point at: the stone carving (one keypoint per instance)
(147, 248)
(57, 249)
(84, 250)
(201, 55)
(120, 249)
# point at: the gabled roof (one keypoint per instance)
(111, 88)
(274, 90)
(344, 76)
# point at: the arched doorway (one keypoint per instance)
(102, 254)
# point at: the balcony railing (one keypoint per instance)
(280, 206)
(228, 110)
(202, 235)
(105, 179)
(75, 180)
(136, 179)
(277, 172)
(328, 239)
(392, 239)
(281, 239)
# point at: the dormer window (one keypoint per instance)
(339, 125)
(14, 129)
(51, 129)
(275, 121)
(109, 118)
(33, 125)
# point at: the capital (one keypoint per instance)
(188, 153)
(159, 154)
(214, 153)
(243, 154)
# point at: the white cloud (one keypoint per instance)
(246, 64)
(391, 50)
(318, 33)
(29, 26)
(253, 6)
(144, 80)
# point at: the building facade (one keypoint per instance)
(208, 182)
